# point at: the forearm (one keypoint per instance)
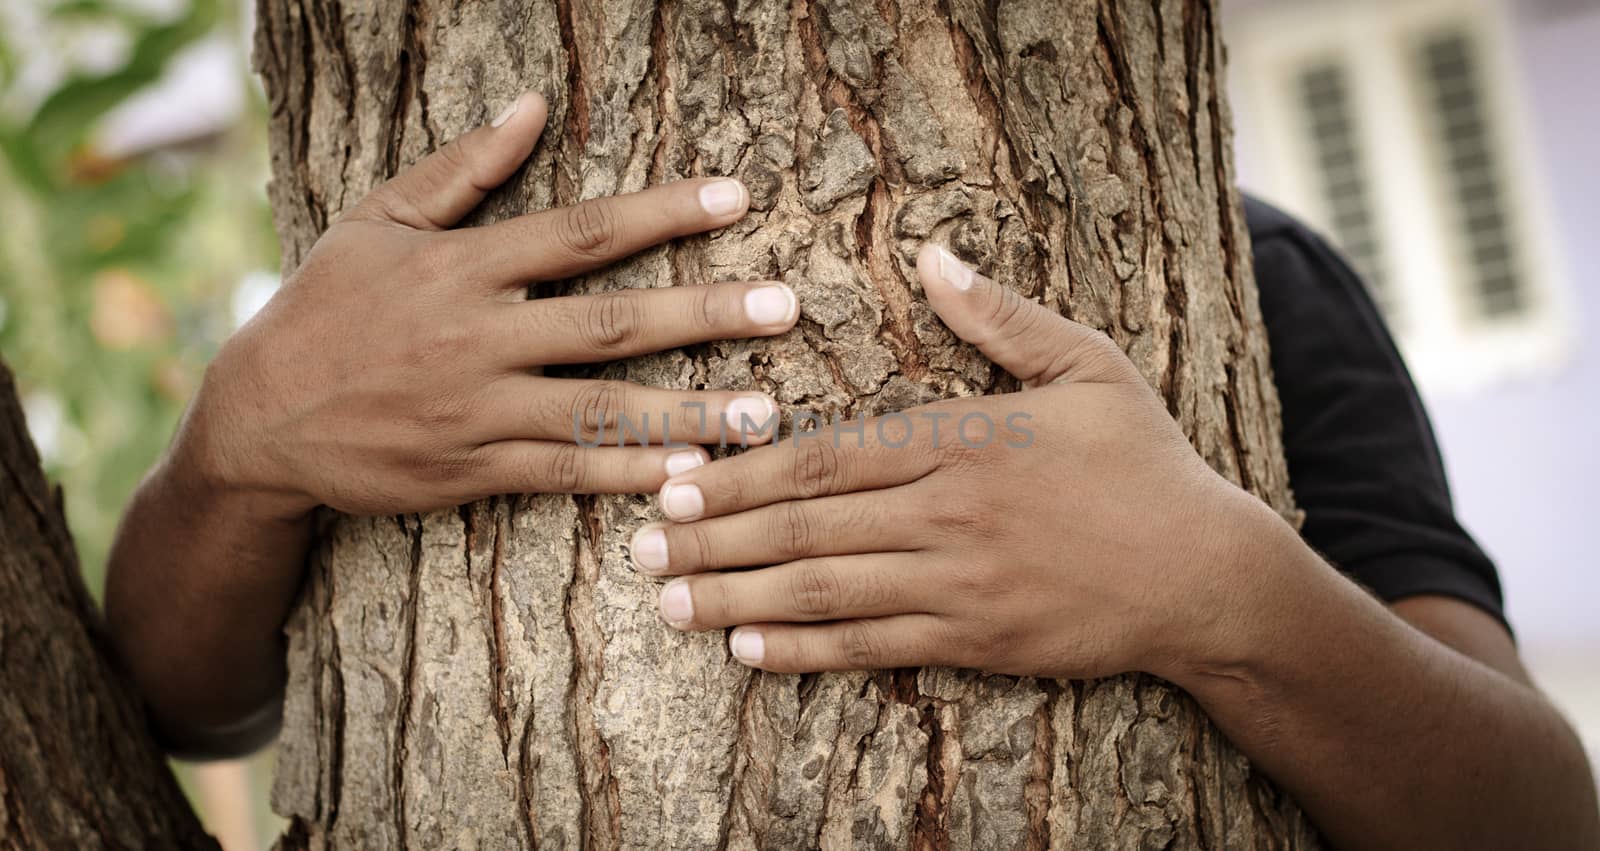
(1387, 737)
(200, 580)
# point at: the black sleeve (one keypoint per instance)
(1362, 458)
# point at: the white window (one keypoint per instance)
(1468, 163)
(1342, 173)
(1392, 126)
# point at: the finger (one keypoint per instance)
(886, 453)
(616, 325)
(619, 413)
(1026, 339)
(446, 184)
(897, 641)
(873, 522)
(803, 591)
(555, 244)
(539, 466)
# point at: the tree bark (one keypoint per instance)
(78, 768)
(498, 677)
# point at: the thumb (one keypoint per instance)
(446, 184)
(1027, 340)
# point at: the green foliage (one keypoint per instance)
(62, 121)
(117, 272)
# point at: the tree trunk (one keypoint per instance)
(78, 768)
(498, 677)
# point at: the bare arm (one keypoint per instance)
(397, 371)
(1396, 734)
(1129, 554)
(201, 579)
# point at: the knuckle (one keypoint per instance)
(1060, 366)
(974, 579)
(589, 228)
(731, 489)
(563, 471)
(815, 468)
(443, 414)
(455, 159)
(966, 646)
(450, 465)
(715, 308)
(700, 547)
(989, 638)
(791, 531)
(384, 203)
(1095, 356)
(964, 456)
(943, 643)
(715, 600)
(961, 518)
(613, 320)
(598, 410)
(858, 647)
(1006, 310)
(814, 590)
(440, 344)
(404, 200)
(874, 592)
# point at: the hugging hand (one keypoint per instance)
(1068, 530)
(398, 369)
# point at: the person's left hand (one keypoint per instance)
(1068, 530)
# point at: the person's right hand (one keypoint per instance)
(398, 369)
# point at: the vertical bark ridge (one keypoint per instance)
(1076, 151)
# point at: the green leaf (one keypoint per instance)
(65, 118)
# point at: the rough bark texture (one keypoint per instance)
(498, 677)
(77, 767)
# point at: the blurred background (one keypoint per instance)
(1446, 145)
(134, 237)
(1449, 148)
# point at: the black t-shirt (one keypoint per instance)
(1362, 458)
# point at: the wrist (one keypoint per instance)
(1250, 573)
(206, 463)
(198, 479)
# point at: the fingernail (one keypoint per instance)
(683, 462)
(747, 646)
(505, 116)
(649, 548)
(722, 197)
(750, 415)
(677, 607)
(770, 305)
(682, 501)
(954, 272)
